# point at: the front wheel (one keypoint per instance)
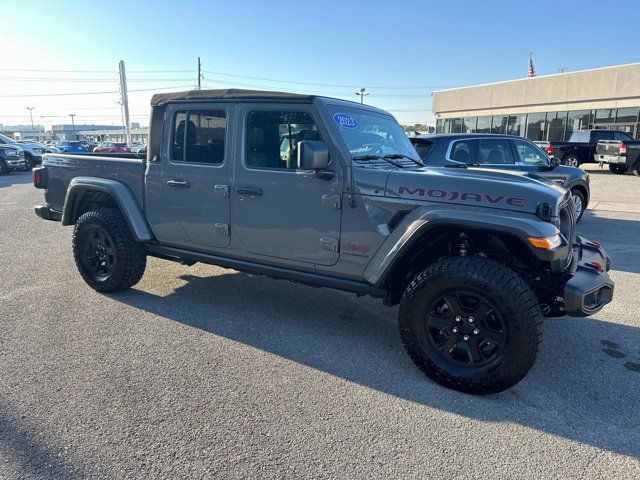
(580, 202)
(618, 169)
(106, 254)
(471, 324)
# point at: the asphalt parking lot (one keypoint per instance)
(202, 372)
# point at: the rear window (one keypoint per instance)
(581, 136)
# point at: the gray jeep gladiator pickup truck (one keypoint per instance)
(332, 194)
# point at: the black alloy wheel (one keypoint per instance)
(466, 329)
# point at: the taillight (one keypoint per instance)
(550, 149)
(623, 148)
(40, 177)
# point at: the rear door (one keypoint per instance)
(281, 212)
(195, 177)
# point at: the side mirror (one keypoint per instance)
(554, 162)
(312, 155)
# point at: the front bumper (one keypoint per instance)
(589, 288)
(618, 159)
(17, 162)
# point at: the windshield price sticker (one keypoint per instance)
(345, 120)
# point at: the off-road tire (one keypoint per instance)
(4, 168)
(513, 299)
(571, 161)
(130, 258)
(618, 169)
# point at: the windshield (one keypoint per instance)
(370, 133)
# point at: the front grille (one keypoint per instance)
(567, 226)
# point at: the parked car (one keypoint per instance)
(504, 152)
(67, 146)
(11, 158)
(33, 151)
(112, 147)
(475, 257)
(621, 155)
(135, 146)
(581, 146)
(89, 145)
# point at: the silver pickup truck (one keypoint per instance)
(332, 194)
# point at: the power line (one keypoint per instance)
(91, 93)
(423, 87)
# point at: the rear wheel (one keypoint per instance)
(31, 163)
(106, 254)
(471, 324)
(636, 169)
(617, 168)
(571, 161)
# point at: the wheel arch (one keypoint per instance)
(421, 238)
(583, 189)
(88, 193)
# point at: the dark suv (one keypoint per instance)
(504, 152)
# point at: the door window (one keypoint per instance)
(529, 154)
(495, 151)
(463, 151)
(199, 137)
(273, 137)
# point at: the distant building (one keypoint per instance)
(115, 135)
(66, 131)
(549, 107)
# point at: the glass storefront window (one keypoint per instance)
(516, 125)
(484, 125)
(456, 125)
(446, 128)
(557, 123)
(439, 125)
(606, 115)
(627, 115)
(578, 120)
(536, 127)
(469, 125)
(499, 124)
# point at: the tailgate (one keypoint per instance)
(608, 147)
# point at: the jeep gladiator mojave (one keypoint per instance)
(332, 194)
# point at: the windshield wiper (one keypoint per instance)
(402, 155)
(377, 157)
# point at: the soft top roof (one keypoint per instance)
(227, 93)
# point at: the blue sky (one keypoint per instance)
(409, 47)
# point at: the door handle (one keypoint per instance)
(252, 191)
(178, 183)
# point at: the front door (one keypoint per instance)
(196, 175)
(282, 212)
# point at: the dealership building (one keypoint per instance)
(549, 107)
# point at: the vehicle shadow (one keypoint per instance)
(29, 452)
(15, 178)
(615, 235)
(577, 390)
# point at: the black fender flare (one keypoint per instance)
(121, 194)
(420, 221)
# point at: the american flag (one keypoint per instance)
(532, 70)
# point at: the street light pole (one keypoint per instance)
(362, 94)
(73, 125)
(31, 115)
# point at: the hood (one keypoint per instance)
(480, 187)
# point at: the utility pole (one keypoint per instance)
(199, 73)
(362, 94)
(73, 125)
(124, 98)
(31, 115)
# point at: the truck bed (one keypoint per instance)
(62, 168)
